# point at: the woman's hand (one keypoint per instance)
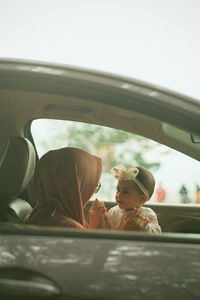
(105, 222)
(96, 213)
(133, 221)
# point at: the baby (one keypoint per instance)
(135, 187)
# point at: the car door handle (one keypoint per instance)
(27, 288)
(18, 282)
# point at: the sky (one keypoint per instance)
(157, 41)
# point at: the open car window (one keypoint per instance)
(177, 175)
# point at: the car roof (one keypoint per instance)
(31, 89)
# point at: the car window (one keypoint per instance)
(177, 175)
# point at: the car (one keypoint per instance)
(54, 263)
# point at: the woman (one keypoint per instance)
(63, 182)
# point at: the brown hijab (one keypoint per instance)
(63, 182)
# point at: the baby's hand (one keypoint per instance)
(133, 221)
(98, 207)
(96, 213)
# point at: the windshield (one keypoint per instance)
(154, 41)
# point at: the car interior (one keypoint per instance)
(26, 98)
(16, 169)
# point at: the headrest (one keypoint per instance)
(16, 167)
(14, 210)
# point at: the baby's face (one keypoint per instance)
(128, 194)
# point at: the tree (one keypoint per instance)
(112, 145)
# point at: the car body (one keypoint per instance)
(69, 264)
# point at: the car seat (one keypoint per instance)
(16, 169)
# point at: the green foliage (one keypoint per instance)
(112, 145)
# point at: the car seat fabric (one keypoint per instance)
(16, 169)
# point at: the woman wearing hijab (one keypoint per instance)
(63, 182)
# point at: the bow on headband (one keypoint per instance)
(121, 173)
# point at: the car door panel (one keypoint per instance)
(131, 267)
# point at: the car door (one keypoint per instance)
(66, 264)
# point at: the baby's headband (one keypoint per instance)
(121, 173)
